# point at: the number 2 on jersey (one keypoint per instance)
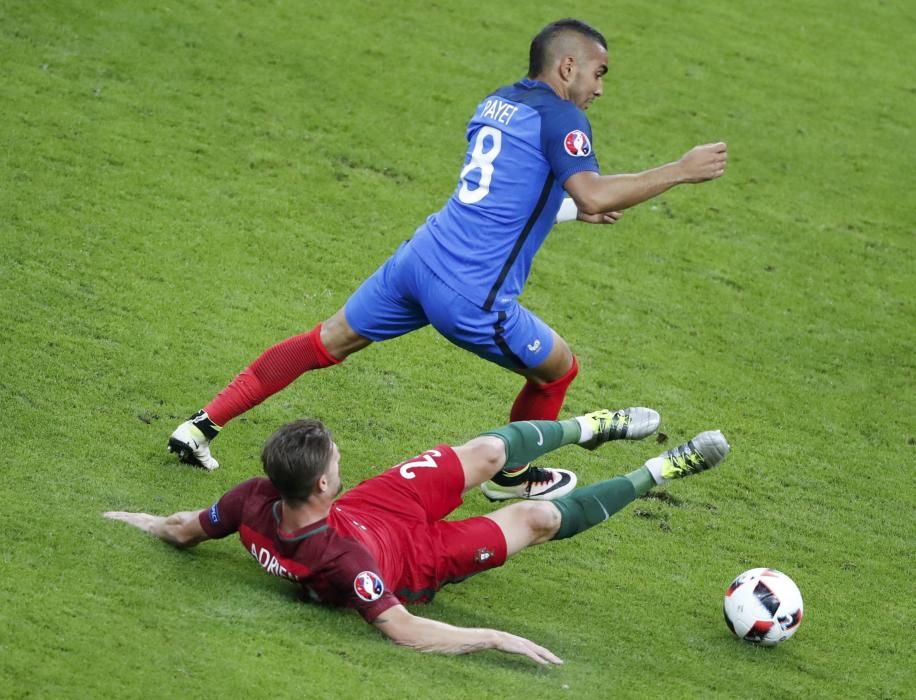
(427, 459)
(481, 160)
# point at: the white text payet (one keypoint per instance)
(498, 111)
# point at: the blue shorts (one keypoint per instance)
(404, 295)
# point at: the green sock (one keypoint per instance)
(642, 480)
(529, 439)
(590, 505)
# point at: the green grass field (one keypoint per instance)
(183, 185)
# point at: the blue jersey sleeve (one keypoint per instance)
(566, 140)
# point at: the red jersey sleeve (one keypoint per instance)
(359, 584)
(225, 516)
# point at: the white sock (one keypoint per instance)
(585, 429)
(654, 466)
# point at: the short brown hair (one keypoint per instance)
(296, 456)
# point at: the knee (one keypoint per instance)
(339, 338)
(563, 352)
(542, 519)
(481, 458)
(489, 453)
(566, 365)
(560, 367)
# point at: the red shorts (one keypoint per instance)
(411, 499)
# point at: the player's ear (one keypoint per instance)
(323, 483)
(567, 66)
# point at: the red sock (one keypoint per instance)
(543, 401)
(277, 367)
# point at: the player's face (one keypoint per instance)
(333, 473)
(587, 83)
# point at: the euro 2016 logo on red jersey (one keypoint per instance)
(368, 586)
(577, 144)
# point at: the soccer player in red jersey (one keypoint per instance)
(529, 163)
(385, 542)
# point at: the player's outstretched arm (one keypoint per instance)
(596, 194)
(423, 634)
(179, 529)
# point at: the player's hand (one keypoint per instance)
(702, 163)
(512, 644)
(608, 217)
(182, 529)
(144, 521)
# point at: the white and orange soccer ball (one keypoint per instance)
(763, 606)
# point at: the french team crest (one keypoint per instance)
(577, 144)
(368, 586)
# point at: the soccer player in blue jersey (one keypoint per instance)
(530, 145)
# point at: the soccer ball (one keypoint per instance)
(763, 606)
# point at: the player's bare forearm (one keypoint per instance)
(618, 192)
(427, 635)
(596, 194)
(181, 529)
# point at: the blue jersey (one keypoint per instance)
(524, 141)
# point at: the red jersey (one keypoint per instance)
(382, 543)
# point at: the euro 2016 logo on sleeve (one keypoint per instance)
(368, 586)
(482, 555)
(577, 144)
